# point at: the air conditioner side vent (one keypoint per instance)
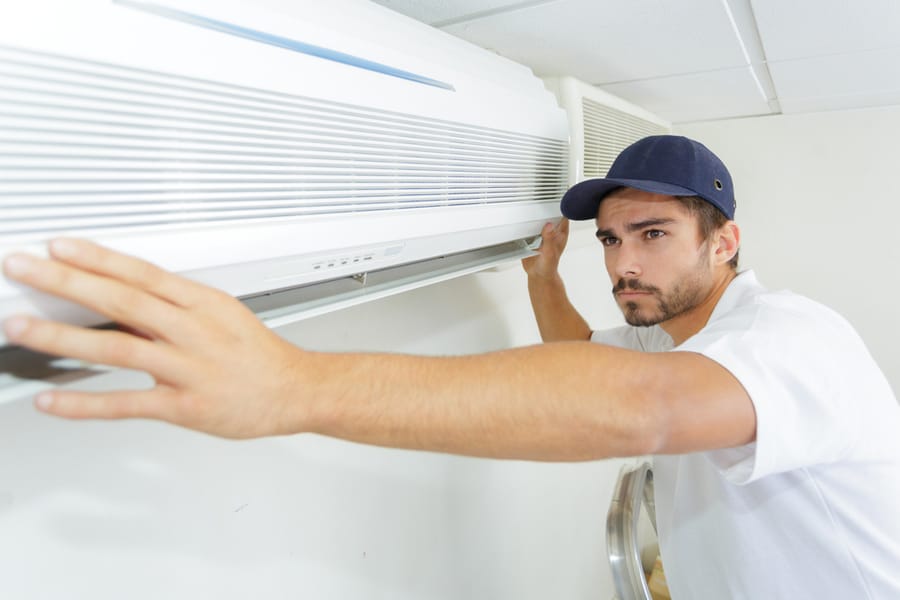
(607, 131)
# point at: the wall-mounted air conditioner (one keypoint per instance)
(600, 126)
(263, 145)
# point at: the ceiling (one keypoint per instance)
(693, 60)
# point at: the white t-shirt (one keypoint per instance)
(811, 509)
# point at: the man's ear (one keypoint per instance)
(727, 241)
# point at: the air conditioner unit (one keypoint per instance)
(263, 145)
(600, 126)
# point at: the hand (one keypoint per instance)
(216, 367)
(553, 242)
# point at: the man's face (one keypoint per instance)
(659, 266)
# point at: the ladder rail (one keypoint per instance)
(634, 486)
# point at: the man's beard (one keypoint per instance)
(684, 297)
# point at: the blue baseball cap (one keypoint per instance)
(661, 164)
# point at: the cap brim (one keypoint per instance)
(582, 200)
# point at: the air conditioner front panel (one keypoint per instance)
(81, 150)
(254, 167)
(249, 45)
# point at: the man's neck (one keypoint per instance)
(687, 324)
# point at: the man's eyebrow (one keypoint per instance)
(632, 227)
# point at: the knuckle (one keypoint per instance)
(48, 337)
(229, 307)
(59, 277)
(119, 349)
(148, 274)
(113, 306)
(187, 408)
(129, 405)
(123, 302)
(44, 334)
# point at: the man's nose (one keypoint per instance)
(627, 264)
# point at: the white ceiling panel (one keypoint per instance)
(605, 41)
(852, 101)
(691, 59)
(438, 12)
(804, 28)
(838, 81)
(696, 97)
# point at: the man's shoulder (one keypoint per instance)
(781, 326)
(747, 304)
(781, 311)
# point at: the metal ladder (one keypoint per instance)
(634, 486)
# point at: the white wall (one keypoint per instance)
(819, 202)
(146, 511)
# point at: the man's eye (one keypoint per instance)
(609, 241)
(653, 234)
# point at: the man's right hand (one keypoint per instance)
(544, 265)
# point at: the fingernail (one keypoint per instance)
(44, 400)
(17, 264)
(15, 327)
(63, 247)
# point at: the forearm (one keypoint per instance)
(535, 403)
(557, 319)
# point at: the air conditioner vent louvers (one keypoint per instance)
(87, 147)
(607, 131)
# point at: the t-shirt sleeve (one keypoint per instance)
(644, 339)
(620, 337)
(796, 367)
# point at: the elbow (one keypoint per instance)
(636, 426)
(654, 427)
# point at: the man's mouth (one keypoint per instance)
(633, 287)
(629, 293)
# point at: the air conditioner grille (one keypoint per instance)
(607, 131)
(88, 146)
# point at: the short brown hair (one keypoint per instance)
(709, 218)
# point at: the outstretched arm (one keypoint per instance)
(557, 319)
(219, 370)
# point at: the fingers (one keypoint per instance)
(161, 403)
(128, 269)
(150, 404)
(105, 347)
(117, 300)
(561, 231)
(554, 237)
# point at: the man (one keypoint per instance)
(777, 467)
